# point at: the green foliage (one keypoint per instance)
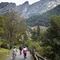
(53, 37)
(25, 36)
(42, 50)
(3, 43)
(2, 20)
(33, 45)
(36, 33)
(4, 53)
(11, 25)
(54, 30)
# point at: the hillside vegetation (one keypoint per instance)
(15, 32)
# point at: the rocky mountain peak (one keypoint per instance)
(28, 10)
(3, 4)
(26, 3)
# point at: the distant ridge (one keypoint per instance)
(43, 19)
(27, 10)
(37, 13)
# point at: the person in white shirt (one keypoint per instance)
(14, 51)
(25, 51)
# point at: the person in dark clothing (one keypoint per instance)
(20, 48)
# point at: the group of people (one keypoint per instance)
(22, 50)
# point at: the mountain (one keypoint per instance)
(37, 13)
(5, 7)
(37, 8)
(43, 19)
(28, 10)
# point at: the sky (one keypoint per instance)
(19, 1)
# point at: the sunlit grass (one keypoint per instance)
(4, 53)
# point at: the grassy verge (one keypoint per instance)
(4, 53)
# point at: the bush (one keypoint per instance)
(3, 43)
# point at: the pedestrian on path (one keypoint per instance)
(20, 48)
(14, 51)
(25, 51)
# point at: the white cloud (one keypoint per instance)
(19, 1)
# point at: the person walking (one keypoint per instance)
(20, 48)
(25, 52)
(14, 53)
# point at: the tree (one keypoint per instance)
(2, 18)
(36, 33)
(53, 37)
(14, 26)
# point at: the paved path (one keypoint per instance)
(21, 57)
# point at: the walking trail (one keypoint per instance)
(21, 57)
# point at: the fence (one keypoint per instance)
(36, 55)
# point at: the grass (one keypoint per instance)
(4, 53)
